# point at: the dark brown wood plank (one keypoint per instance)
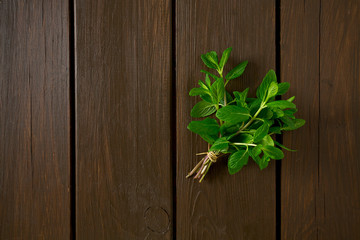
(222, 206)
(339, 175)
(34, 120)
(123, 77)
(300, 66)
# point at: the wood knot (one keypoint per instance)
(157, 219)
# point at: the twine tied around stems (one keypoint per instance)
(211, 156)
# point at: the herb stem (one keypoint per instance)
(244, 144)
(262, 106)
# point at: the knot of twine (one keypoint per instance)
(212, 156)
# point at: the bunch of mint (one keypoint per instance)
(240, 125)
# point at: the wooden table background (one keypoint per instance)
(94, 107)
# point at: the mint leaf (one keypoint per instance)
(237, 161)
(297, 123)
(273, 89)
(207, 80)
(256, 151)
(203, 85)
(242, 138)
(217, 89)
(209, 61)
(221, 144)
(267, 141)
(203, 109)
(281, 104)
(208, 129)
(275, 129)
(262, 90)
(211, 75)
(241, 97)
(277, 113)
(261, 132)
(291, 99)
(237, 71)
(263, 162)
(233, 114)
(213, 57)
(283, 88)
(273, 152)
(198, 91)
(266, 113)
(224, 58)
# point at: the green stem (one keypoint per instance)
(244, 144)
(262, 106)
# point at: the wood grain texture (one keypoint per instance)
(123, 106)
(339, 175)
(34, 120)
(299, 46)
(222, 206)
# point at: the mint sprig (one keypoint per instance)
(235, 124)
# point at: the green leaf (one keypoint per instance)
(207, 80)
(273, 89)
(277, 113)
(237, 71)
(275, 130)
(220, 144)
(291, 99)
(237, 161)
(227, 129)
(208, 129)
(267, 141)
(233, 114)
(241, 97)
(261, 132)
(297, 124)
(254, 106)
(203, 109)
(262, 90)
(206, 98)
(256, 151)
(209, 61)
(211, 75)
(206, 126)
(218, 89)
(242, 138)
(283, 88)
(282, 146)
(281, 104)
(203, 85)
(290, 123)
(198, 91)
(224, 58)
(273, 152)
(263, 162)
(290, 112)
(213, 57)
(266, 113)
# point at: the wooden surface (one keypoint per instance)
(222, 206)
(134, 67)
(320, 57)
(299, 44)
(34, 120)
(339, 130)
(123, 123)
